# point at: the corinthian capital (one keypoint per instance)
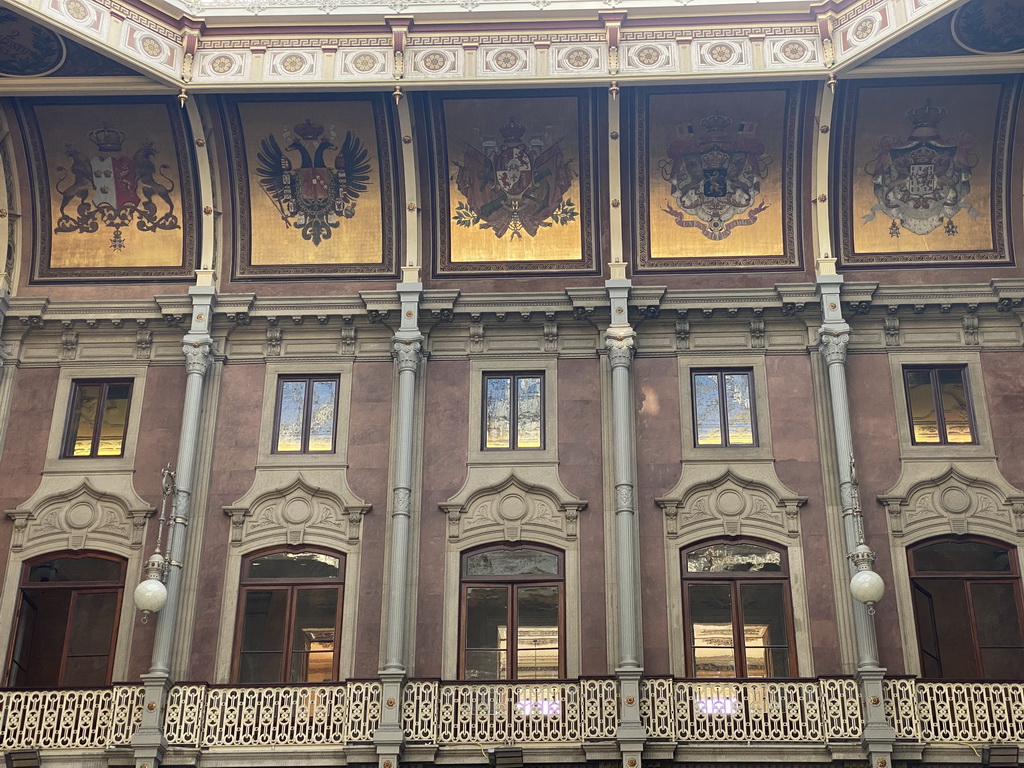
(197, 356)
(620, 348)
(833, 346)
(407, 353)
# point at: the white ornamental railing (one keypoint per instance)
(822, 711)
(285, 715)
(93, 718)
(934, 712)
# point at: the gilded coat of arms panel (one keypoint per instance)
(513, 178)
(114, 190)
(314, 186)
(923, 172)
(715, 178)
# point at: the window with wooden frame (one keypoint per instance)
(513, 411)
(939, 404)
(513, 613)
(968, 609)
(723, 408)
(306, 416)
(289, 618)
(97, 419)
(737, 609)
(67, 618)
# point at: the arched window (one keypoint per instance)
(737, 609)
(513, 614)
(67, 621)
(289, 618)
(967, 606)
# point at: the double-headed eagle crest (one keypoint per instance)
(514, 187)
(716, 176)
(113, 189)
(316, 196)
(922, 183)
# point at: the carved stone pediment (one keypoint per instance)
(731, 504)
(79, 517)
(514, 509)
(293, 510)
(950, 499)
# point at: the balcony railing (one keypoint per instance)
(933, 712)
(94, 718)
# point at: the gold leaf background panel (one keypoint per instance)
(752, 121)
(67, 128)
(277, 241)
(545, 125)
(968, 124)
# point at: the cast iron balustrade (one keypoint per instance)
(965, 713)
(92, 718)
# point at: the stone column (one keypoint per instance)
(620, 340)
(149, 742)
(407, 350)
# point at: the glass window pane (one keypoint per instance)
(528, 412)
(537, 633)
(84, 569)
(115, 419)
(486, 633)
(1002, 663)
(923, 419)
(707, 409)
(92, 624)
(313, 640)
(763, 612)
(956, 410)
(962, 557)
(733, 558)
(512, 562)
(322, 416)
(995, 614)
(45, 630)
(711, 630)
(263, 624)
(498, 412)
(83, 419)
(81, 671)
(294, 565)
(738, 410)
(293, 408)
(260, 667)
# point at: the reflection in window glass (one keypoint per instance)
(735, 558)
(306, 414)
(940, 410)
(513, 411)
(510, 562)
(98, 419)
(723, 411)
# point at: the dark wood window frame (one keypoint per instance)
(513, 378)
(76, 588)
(68, 443)
(293, 585)
(920, 579)
(734, 580)
(933, 371)
(309, 381)
(511, 583)
(723, 413)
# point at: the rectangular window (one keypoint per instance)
(723, 408)
(938, 400)
(307, 410)
(98, 419)
(513, 411)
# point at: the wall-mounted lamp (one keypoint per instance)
(151, 593)
(866, 585)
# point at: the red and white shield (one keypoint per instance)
(513, 170)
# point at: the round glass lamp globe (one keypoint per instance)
(150, 595)
(867, 587)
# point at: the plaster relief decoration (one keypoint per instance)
(513, 510)
(716, 182)
(114, 189)
(990, 26)
(732, 505)
(315, 186)
(79, 517)
(924, 504)
(515, 178)
(924, 172)
(28, 49)
(295, 512)
(83, 15)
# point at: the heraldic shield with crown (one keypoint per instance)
(514, 187)
(922, 183)
(314, 197)
(113, 189)
(716, 176)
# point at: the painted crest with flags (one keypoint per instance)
(921, 184)
(314, 197)
(715, 176)
(514, 187)
(113, 189)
